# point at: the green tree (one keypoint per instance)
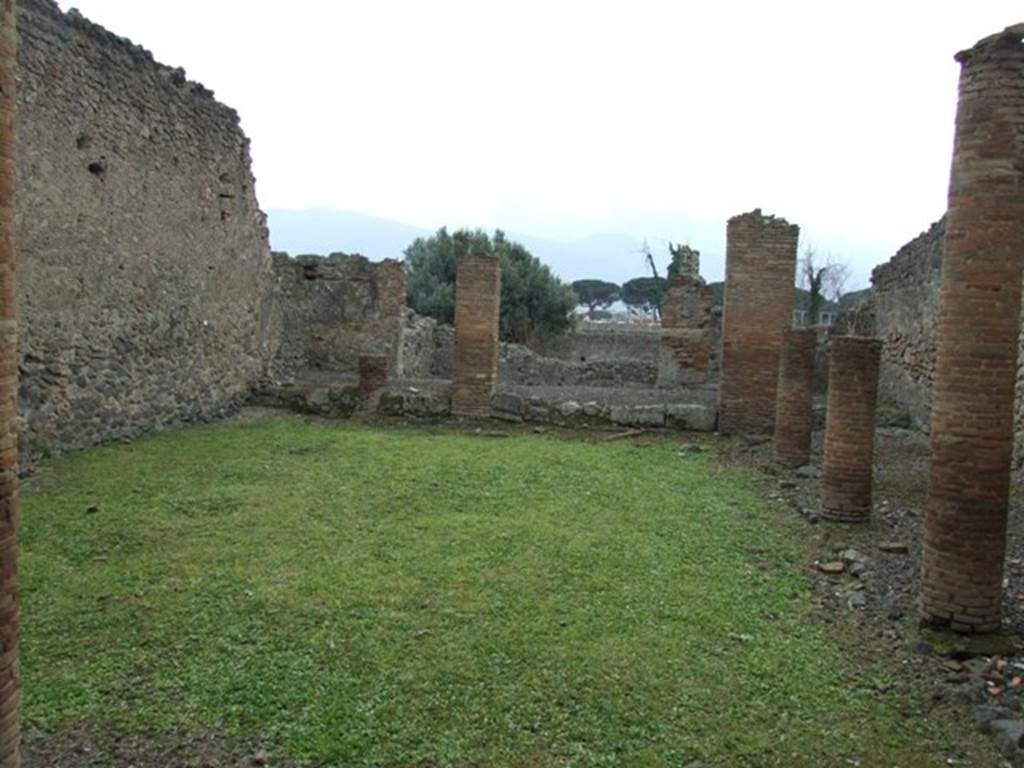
(644, 294)
(595, 294)
(534, 303)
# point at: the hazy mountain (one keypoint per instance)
(614, 257)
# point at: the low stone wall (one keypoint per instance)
(428, 347)
(593, 342)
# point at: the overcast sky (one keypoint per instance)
(563, 118)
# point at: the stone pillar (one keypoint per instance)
(850, 429)
(976, 359)
(686, 330)
(477, 310)
(9, 728)
(373, 375)
(760, 277)
(794, 414)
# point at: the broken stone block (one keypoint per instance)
(692, 417)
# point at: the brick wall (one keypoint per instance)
(477, 309)
(687, 354)
(848, 470)
(759, 296)
(978, 336)
(793, 411)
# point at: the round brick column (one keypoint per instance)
(850, 428)
(972, 398)
(9, 731)
(793, 407)
(373, 375)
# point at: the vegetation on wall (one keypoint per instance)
(535, 304)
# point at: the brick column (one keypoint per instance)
(850, 428)
(793, 408)
(976, 359)
(9, 731)
(477, 309)
(391, 290)
(760, 277)
(373, 375)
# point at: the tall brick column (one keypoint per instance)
(9, 733)
(794, 408)
(760, 277)
(850, 428)
(976, 359)
(477, 309)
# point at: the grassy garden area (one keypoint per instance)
(351, 596)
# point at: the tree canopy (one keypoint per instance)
(534, 303)
(595, 294)
(644, 294)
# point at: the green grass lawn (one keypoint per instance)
(360, 597)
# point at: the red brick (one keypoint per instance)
(760, 274)
(477, 312)
(976, 359)
(793, 408)
(849, 460)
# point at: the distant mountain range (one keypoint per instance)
(614, 257)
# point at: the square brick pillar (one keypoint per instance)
(391, 291)
(849, 464)
(9, 712)
(972, 399)
(477, 311)
(760, 289)
(794, 415)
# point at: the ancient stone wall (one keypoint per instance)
(144, 268)
(688, 352)
(759, 296)
(594, 342)
(335, 309)
(428, 349)
(904, 304)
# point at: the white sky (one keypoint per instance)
(562, 118)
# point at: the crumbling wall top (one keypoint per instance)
(756, 218)
(1010, 39)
